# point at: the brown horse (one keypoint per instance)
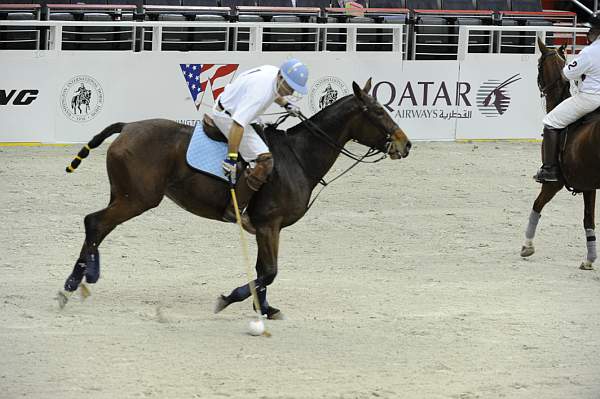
(147, 161)
(579, 160)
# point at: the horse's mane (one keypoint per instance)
(563, 86)
(328, 118)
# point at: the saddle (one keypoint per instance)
(593, 116)
(212, 130)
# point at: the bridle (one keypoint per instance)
(372, 151)
(320, 134)
(544, 89)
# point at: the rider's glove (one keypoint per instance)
(229, 166)
(292, 109)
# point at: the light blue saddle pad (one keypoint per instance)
(206, 154)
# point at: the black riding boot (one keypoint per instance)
(243, 194)
(549, 171)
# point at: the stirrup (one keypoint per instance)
(547, 175)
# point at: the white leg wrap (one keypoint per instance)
(591, 244)
(534, 218)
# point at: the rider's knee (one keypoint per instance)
(258, 175)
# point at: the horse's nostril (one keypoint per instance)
(408, 145)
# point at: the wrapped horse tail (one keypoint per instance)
(93, 143)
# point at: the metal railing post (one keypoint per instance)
(463, 43)
(397, 39)
(55, 37)
(157, 38)
(351, 39)
(255, 38)
(133, 37)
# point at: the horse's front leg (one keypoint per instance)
(589, 204)
(548, 192)
(267, 239)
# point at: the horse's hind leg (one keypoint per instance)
(97, 226)
(133, 191)
(548, 192)
(589, 202)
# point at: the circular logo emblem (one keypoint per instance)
(325, 91)
(493, 96)
(82, 98)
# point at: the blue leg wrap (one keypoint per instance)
(92, 269)
(241, 293)
(262, 300)
(76, 276)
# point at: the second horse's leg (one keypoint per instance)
(548, 192)
(589, 203)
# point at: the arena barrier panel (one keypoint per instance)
(60, 96)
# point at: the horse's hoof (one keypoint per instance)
(62, 297)
(278, 315)
(274, 314)
(527, 251)
(586, 265)
(84, 291)
(221, 304)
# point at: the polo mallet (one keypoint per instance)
(238, 218)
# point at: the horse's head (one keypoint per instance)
(551, 81)
(376, 128)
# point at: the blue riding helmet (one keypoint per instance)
(295, 74)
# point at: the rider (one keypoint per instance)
(586, 66)
(239, 105)
(81, 90)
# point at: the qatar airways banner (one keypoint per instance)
(67, 97)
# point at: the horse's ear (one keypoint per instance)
(542, 46)
(367, 87)
(357, 90)
(561, 50)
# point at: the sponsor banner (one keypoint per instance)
(420, 96)
(27, 97)
(79, 94)
(507, 98)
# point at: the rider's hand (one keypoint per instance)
(292, 109)
(229, 166)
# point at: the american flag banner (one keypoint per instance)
(200, 77)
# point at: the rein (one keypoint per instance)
(544, 89)
(320, 134)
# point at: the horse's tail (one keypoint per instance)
(93, 143)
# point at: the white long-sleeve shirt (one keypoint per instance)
(586, 63)
(250, 94)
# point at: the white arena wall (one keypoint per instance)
(430, 100)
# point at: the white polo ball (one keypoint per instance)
(256, 327)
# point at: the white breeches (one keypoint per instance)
(572, 109)
(251, 145)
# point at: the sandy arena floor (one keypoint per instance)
(404, 281)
